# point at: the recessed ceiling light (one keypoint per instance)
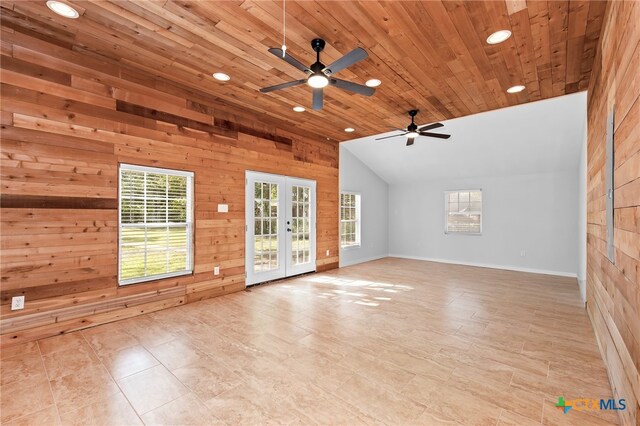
(498, 36)
(374, 82)
(221, 76)
(349, 129)
(515, 89)
(62, 9)
(298, 109)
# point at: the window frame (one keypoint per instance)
(357, 221)
(190, 222)
(446, 211)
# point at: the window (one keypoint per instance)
(155, 223)
(463, 210)
(349, 220)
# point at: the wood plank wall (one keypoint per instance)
(68, 119)
(613, 290)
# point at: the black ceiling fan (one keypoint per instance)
(413, 131)
(319, 75)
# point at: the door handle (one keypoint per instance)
(288, 229)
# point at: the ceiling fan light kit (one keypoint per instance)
(318, 81)
(320, 76)
(413, 130)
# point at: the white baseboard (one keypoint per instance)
(486, 265)
(362, 260)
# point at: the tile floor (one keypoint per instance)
(388, 342)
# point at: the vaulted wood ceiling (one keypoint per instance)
(429, 55)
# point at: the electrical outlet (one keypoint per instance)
(523, 253)
(327, 253)
(17, 303)
(216, 270)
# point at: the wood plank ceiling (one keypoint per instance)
(429, 55)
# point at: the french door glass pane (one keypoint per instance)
(266, 197)
(300, 215)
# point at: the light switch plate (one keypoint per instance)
(223, 208)
(17, 303)
(216, 270)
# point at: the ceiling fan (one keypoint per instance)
(413, 131)
(319, 75)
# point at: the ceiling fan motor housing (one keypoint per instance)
(317, 67)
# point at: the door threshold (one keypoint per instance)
(248, 288)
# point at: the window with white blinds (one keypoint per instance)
(463, 211)
(155, 223)
(349, 220)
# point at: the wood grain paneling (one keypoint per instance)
(430, 55)
(130, 82)
(68, 120)
(613, 290)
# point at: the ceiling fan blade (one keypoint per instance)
(392, 136)
(356, 55)
(282, 86)
(289, 59)
(435, 135)
(352, 87)
(430, 126)
(410, 141)
(317, 99)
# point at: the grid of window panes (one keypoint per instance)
(464, 211)
(349, 218)
(155, 223)
(265, 226)
(300, 215)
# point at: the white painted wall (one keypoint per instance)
(355, 176)
(582, 220)
(535, 213)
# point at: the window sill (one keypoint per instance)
(355, 246)
(131, 281)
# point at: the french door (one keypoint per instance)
(280, 238)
